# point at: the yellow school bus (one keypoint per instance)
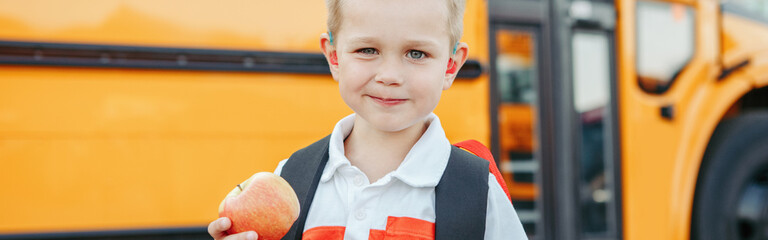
(129, 118)
(625, 119)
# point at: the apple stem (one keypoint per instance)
(238, 186)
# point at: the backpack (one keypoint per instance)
(460, 197)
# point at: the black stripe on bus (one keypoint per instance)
(186, 233)
(143, 57)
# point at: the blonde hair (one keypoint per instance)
(455, 18)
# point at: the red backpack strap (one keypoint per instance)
(480, 150)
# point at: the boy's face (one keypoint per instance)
(393, 58)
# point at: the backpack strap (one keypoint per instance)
(303, 171)
(482, 151)
(461, 197)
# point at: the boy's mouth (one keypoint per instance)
(388, 101)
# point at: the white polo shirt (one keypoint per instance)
(402, 203)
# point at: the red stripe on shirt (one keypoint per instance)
(324, 233)
(398, 228)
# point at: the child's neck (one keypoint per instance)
(377, 152)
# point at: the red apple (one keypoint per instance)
(265, 203)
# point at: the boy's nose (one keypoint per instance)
(389, 74)
(388, 80)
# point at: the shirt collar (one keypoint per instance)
(423, 166)
(336, 156)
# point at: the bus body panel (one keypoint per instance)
(232, 24)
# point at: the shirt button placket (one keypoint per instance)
(360, 214)
(358, 180)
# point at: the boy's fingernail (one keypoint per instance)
(251, 236)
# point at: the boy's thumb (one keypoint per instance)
(225, 223)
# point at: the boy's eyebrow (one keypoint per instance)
(411, 43)
(363, 39)
(421, 43)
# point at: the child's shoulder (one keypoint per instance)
(303, 161)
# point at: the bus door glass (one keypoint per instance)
(515, 73)
(591, 75)
(594, 125)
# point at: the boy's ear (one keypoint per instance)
(455, 61)
(330, 54)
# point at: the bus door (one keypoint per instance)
(519, 66)
(553, 115)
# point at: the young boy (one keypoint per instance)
(392, 60)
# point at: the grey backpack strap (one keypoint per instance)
(303, 170)
(461, 197)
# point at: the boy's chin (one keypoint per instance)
(394, 125)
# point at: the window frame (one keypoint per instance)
(663, 88)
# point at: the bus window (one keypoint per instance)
(515, 66)
(591, 86)
(756, 9)
(665, 43)
(516, 72)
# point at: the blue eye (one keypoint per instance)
(369, 51)
(416, 54)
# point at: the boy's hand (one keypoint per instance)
(218, 230)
